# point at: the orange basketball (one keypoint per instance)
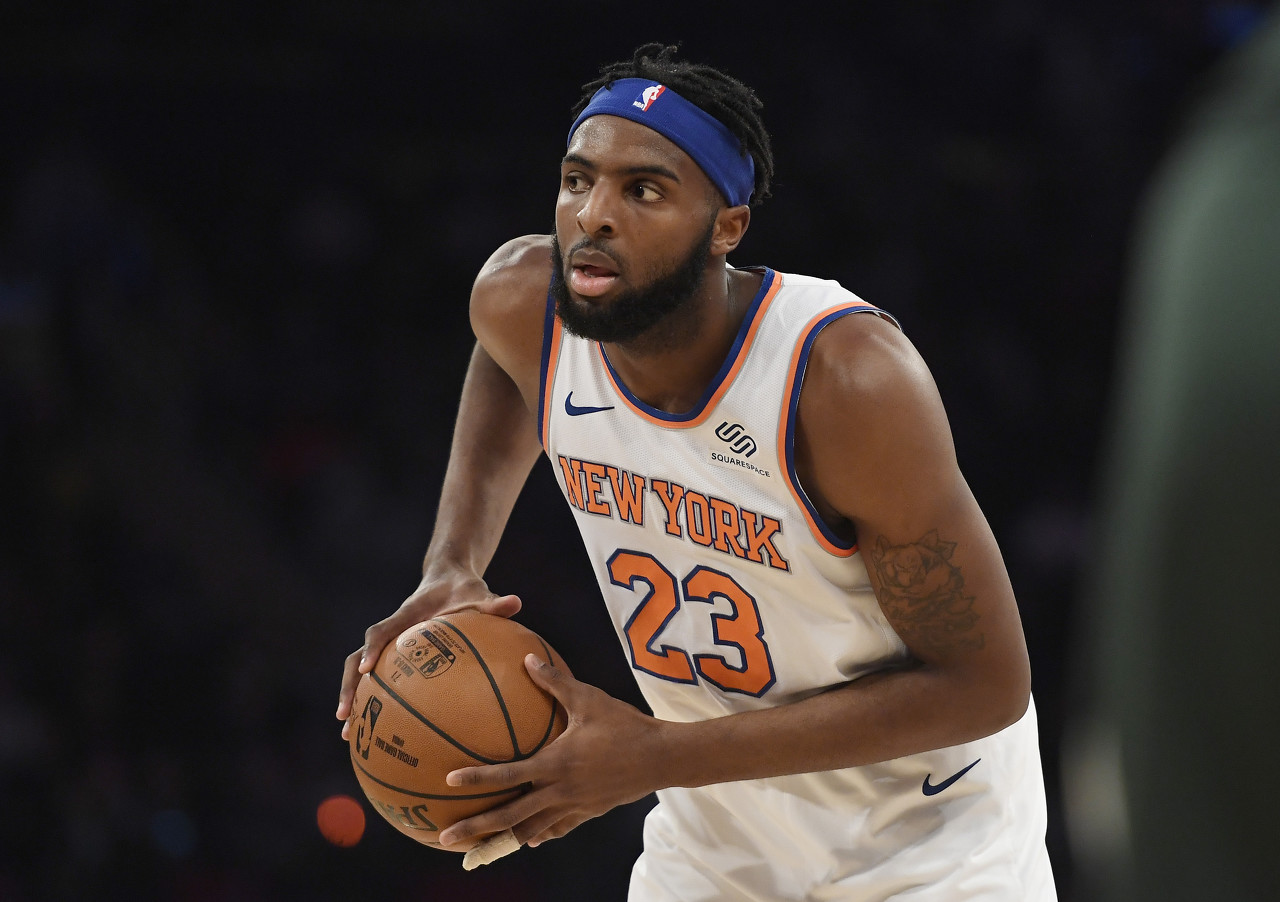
(450, 692)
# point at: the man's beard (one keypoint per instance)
(634, 313)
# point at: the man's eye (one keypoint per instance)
(646, 192)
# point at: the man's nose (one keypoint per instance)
(598, 213)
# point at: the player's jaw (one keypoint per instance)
(630, 310)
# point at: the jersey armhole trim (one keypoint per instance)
(822, 533)
(551, 335)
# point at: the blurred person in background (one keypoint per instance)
(1183, 643)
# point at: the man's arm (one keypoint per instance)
(881, 463)
(495, 444)
(883, 467)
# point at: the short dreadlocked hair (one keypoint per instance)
(721, 95)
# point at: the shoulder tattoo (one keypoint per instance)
(922, 593)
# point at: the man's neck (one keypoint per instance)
(671, 365)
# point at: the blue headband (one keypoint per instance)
(696, 132)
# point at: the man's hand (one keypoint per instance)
(607, 756)
(436, 595)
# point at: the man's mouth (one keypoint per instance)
(591, 281)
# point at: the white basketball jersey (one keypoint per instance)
(729, 593)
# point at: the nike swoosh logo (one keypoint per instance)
(574, 410)
(931, 790)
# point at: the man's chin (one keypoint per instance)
(578, 319)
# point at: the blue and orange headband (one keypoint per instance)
(699, 134)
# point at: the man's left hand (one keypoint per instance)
(607, 756)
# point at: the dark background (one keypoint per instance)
(236, 243)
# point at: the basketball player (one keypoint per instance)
(810, 598)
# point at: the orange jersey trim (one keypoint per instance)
(786, 424)
(554, 336)
(703, 409)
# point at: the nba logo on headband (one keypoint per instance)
(648, 96)
(695, 131)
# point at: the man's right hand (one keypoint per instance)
(495, 444)
(434, 596)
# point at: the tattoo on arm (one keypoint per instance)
(922, 593)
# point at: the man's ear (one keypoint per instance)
(731, 225)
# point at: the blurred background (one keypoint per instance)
(236, 245)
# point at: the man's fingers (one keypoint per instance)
(556, 830)
(490, 850)
(376, 638)
(551, 678)
(495, 820)
(500, 605)
(536, 829)
(350, 676)
(360, 662)
(500, 776)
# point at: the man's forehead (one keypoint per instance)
(608, 141)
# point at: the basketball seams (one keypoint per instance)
(493, 683)
(455, 706)
(483, 759)
(435, 796)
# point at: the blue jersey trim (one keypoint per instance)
(725, 369)
(548, 329)
(793, 405)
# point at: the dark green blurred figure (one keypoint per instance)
(1185, 624)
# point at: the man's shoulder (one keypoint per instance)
(864, 357)
(511, 288)
(509, 305)
(521, 263)
(815, 302)
(822, 310)
(869, 412)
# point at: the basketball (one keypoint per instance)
(450, 692)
